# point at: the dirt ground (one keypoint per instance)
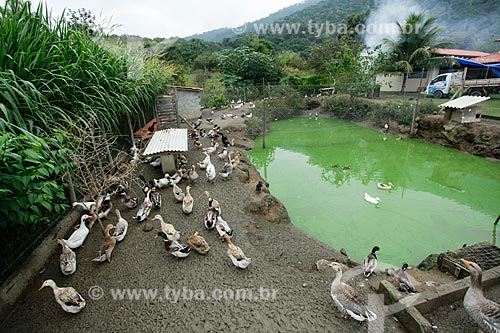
(206, 293)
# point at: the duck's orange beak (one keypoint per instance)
(41, 287)
(466, 262)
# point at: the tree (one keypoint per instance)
(243, 66)
(83, 20)
(414, 45)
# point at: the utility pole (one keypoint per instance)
(264, 117)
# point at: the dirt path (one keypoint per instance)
(204, 293)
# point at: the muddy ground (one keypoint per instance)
(288, 293)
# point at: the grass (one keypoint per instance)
(491, 107)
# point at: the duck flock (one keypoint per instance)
(485, 313)
(69, 299)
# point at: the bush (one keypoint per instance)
(402, 111)
(30, 178)
(344, 107)
(218, 101)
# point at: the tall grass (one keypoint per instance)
(53, 79)
(52, 76)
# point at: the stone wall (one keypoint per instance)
(481, 139)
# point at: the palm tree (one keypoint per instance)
(415, 43)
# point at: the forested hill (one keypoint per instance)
(470, 24)
(219, 34)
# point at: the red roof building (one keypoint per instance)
(491, 58)
(466, 54)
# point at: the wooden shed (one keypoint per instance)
(464, 109)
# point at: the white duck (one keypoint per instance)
(167, 228)
(485, 312)
(223, 154)
(104, 203)
(223, 228)
(347, 299)
(187, 202)
(210, 172)
(370, 262)
(387, 186)
(203, 164)
(236, 254)
(120, 228)
(212, 149)
(174, 247)
(87, 206)
(144, 210)
(178, 193)
(67, 297)
(78, 236)
(175, 178)
(373, 200)
(162, 182)
(192, 174)
(67, 259)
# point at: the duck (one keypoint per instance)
(210, 218)
(235, 253)
(402, 281)
(67, 297)
(144, 210)
(485, 312)
(210, 171)
(67, 259)
(155, 198)
(156, 163)
(162, 182)
(223, 155)
(167, 228)
(187, 202)
(198, 243)
(87, 206)
(192, 174)
(258, 187)
(79, 235)
(373, 200)
(175, 178)
(212, 149)
(370, 262)
(178, 193)
(107, 246)
(222, 227)
(387, 186)
(174, 247)
(212, 203)
(129, 201)
(104, 203)
(146, 187)
(121, 227)
(236, 160)
(203, 164)
(347, 299)
(226, 171)
(347, 167)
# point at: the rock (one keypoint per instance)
(304, 285)
(428, 263)
(148, 226)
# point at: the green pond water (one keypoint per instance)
(442, 198)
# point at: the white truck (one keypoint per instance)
(474, 81)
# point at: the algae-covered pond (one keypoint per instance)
(320, 169)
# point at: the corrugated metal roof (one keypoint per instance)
(169, 140)
(464, 102)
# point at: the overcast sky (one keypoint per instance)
(169, 18)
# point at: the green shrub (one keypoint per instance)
(402, 111)
(344, 107)
(218, 101)
(31, 169)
